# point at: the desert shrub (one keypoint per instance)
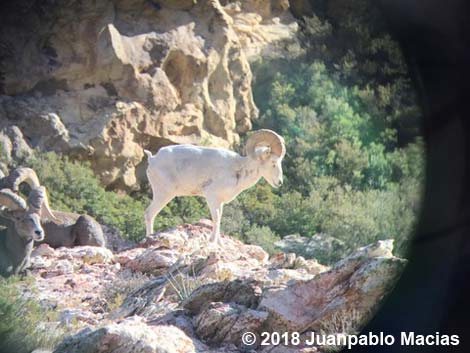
(234, 222)
(354, 167)
(181, 285)
(262, 236)
(24, 325)
(362, 217)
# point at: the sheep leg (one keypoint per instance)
(216, 208)
(154, 208)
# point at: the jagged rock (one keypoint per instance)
(144, 300)
(66, 316)
(257, 253)
(283, 276)
(355, 284)
(13, 144)
(58, 268)
(226, 322)
(283, 260)
(154, 261)
(292, 261)
(312, 266)
(171, 239)
(130, 336)
(103, 80)
(245, 293)
(87, 254)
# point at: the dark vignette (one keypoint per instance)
(434, 291)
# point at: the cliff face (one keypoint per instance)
(104, 79)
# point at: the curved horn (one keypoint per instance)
(21, 175)
(265, 137)
(38, 202)
(12, 201)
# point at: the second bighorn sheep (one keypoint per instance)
(61, 228)
(217, 174)
(74, 229)
(22, 220)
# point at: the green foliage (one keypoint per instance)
(24, 324)
(262, 236)
(354, 167)
(73, 187)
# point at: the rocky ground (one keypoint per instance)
(178, 293)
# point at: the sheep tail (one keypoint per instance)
(148, 153)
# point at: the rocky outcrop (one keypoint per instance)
(199, 297)
(356, 283)
(103, 80)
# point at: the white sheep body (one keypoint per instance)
(217, 174)
(197, 171)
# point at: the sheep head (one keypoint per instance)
(24, 215)
(268, 149)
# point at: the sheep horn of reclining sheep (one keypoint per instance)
(12, 201)
(21, 175)
(38, 196)
(38, 202)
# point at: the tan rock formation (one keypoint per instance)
(103, 80)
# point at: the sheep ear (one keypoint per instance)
(262, 152)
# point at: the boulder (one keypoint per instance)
(129, 336)
(226, 322)
(246, 293)
(154, 261)
(87, 254)
(355, 285)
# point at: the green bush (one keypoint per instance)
(24, 324)
(262, 236)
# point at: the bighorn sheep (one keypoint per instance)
(217, 174)
(74, 229)
(23, 226)
(61, 228)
